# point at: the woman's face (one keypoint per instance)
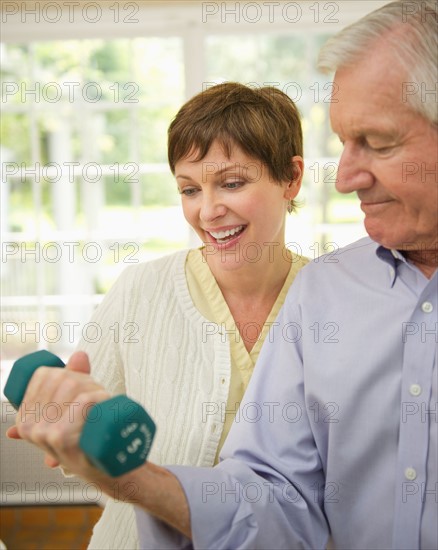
(234, 206)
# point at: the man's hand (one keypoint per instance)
(52, 415)
(54, 410)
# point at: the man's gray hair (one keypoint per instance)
(415, 46)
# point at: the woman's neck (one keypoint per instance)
(256, 280)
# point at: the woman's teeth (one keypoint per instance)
(224, 236)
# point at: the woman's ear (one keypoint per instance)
(293, 187)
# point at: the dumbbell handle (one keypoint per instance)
(117, 434)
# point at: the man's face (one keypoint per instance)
(390, 156)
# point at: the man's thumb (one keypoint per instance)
(79, 362)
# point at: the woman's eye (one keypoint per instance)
(233, 184)
(188, 192)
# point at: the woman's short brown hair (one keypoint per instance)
(264, 123)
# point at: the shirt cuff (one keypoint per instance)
(219, 518)
(154, 534)
(203, 490)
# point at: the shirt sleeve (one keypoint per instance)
(268, 490)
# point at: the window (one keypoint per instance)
(87, 95)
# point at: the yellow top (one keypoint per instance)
(208, 299)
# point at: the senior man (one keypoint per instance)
(339, 440)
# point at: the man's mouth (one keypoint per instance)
(372, 206)
(222, 237)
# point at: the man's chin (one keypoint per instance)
(382, 235)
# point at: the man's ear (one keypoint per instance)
(294, 186)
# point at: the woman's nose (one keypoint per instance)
(212, 206)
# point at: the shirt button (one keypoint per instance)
(415, 390)
(410, 474)
(427, 307)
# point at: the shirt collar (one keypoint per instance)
(398, 266)
(393, 258)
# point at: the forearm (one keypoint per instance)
(158, 492)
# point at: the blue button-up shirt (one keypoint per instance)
(335, 442)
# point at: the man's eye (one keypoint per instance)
(381, 150)
(379, 147)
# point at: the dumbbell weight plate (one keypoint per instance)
(22, 372)
(117, 435)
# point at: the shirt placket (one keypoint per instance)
(419, 343)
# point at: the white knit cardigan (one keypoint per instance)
(157, 348)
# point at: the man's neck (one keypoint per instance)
(425, 260)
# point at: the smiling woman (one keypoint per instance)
(201, 315)
(237, 157)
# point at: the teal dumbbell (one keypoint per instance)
(117, 434)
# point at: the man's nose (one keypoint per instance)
(353, 170)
